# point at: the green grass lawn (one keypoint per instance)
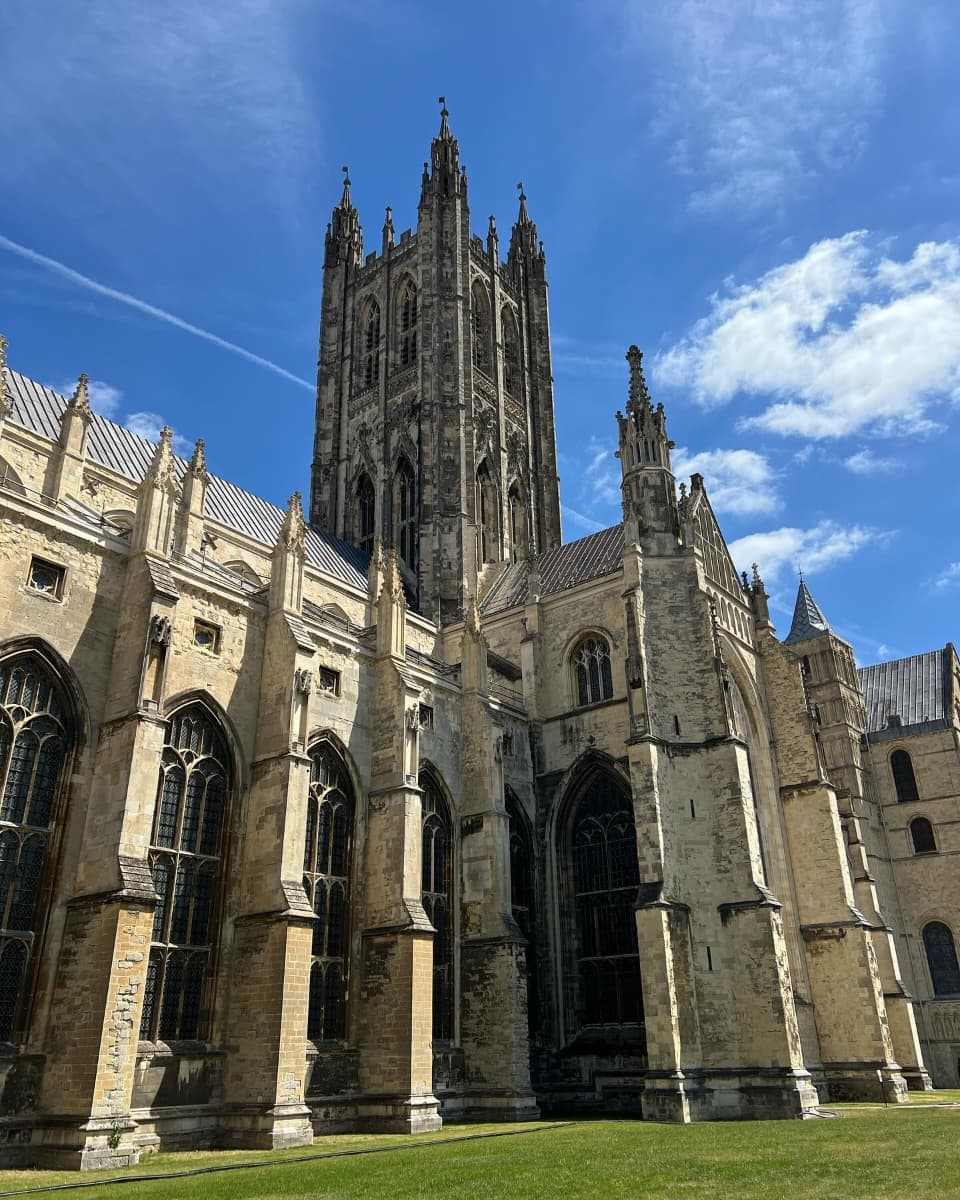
(896, 1153)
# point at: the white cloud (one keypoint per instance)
(759, 100)
(602, 474)
(839, 341)
(865, 462)
(149, 424)
(741, 482)
(949, 577)
(808, 549)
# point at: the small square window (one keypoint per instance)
(426, 716)
(330, 681)
(46, 578)
(206, 636)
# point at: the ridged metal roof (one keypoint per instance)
(40, 409)
(909, 688)
(559, 569)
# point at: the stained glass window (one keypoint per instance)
(326, 878)
(35, 740)
(941, 958)
(185, 859)
(438, 901)
(591, 666)
(604, 877)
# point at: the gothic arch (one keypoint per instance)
(595, 877)
(524, 895)
(42, 730)
(406, 501)
(487, 513)
(512, 370)
(440, 891)
(480, 326)
(518, 512)
(406, 320)
(173, 704)
(370, 328)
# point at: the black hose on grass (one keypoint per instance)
(280, 1162)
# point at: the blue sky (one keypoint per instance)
(764, 196)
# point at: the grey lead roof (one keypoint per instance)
(808, 620)
(561, 568)
(912, 689)
(40, 409)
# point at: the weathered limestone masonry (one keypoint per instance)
(414, 813)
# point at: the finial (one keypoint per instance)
(524, 217)
(442, 101)
(161, 470)
(800, 573)
(638, 385)
(293, 530)
(198, 462)
(757, 581)
(80, 400)
(445, 134)
(472, 619)
(345, 201)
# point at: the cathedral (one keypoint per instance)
(402, 810)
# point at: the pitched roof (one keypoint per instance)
(559, 569)
(110, 445)
(912, 689)
(808, 620)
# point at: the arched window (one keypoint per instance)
(405, 510)
(603, 874)
(370, 335)
(326, 878)
(921, 833)
(941, 959)
(480, 326)
(35, 744)
(486, 502)
(185, 859)
(366, 509)
(904, 779)
(518, 522)
(438, 901)
(244, 570)
(522, 900)
(591, 669)
(511, 352)
(407, 324)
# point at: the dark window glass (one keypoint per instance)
(511, 353)
(407, 322)
(486, 504)
(366, 514)
(604, 876)
(34, 750)
(904, 779)
(921, 831)
(591, 665)
(480, 327)
(326, 878)
(438, 901)
(185, 859)
(941, 959)
(518, 524)
(371, 346)
(406, 501)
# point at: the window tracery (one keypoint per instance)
(591, 669)
(407, 320)
(327, 879)
(366, 513)
(371, 345)
(437, 891)
(405, 499)
(480, 327)
(511, 353)
(486, 509)
(35, 743)
(185, 861)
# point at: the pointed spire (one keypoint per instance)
(444, 178)
(161, 470)
(80, 400)
(198, 461)
(444, 135)
(345, 202)
(6, 399)
(388, 233)
(524, 242)
(293, 530)
(808, 620)
(524, 216)
(639, 393)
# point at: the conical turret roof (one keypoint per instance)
(808, 620)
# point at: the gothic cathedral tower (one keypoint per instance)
(435, 426)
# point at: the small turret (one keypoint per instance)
(525, 244)
(443, 176)
(289, 555)
(388, 235)
(156, 500)
(344, 243)
(808, 620)
(649, 495)
(190, 517)
(74, 424)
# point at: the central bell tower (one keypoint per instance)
(435, 426)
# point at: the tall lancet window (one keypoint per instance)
(405, 513)
(366, 510)
(438, 900)
(370, 334)
(186, 859)
(518, 522)
(593, 679)
(480, 327)
(603, 874)
(486, 507)
(326, 878)
(36, 741)
(522, 900)
(407, 324)
(511, 352)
